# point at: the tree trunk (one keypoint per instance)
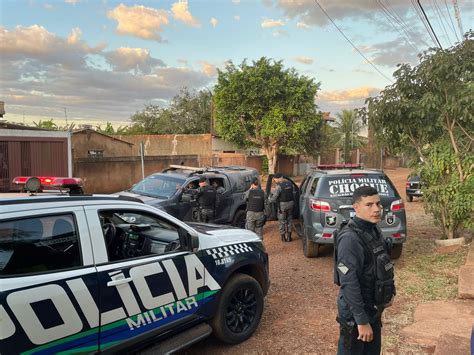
(271, 152)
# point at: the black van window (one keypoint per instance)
(40, 244)
(344, 185)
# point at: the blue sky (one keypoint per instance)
(104, 60)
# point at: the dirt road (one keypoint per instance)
(300, 309)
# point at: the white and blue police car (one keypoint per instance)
(90, 274)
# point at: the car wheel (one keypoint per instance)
(239, 310)
(310, 249)
(410, 198)
(239, 219)
(396, 251)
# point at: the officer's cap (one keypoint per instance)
(278, 176)
(202, 179)
(255, 181)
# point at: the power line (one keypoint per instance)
(440, 18)
(429, 23)
(389, 17)
(451, 20)
(420, 15)
(352, 44)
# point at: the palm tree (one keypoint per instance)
(346, 133)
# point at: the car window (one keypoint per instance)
(160, 186)
(132, 234)
(39, 244)
(304, 184)
(343, 185)
(314, 184)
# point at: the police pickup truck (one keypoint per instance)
(89, 274)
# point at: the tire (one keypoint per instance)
(239, 310)
(410, 198)
(310, 249)
(239, 219)
(396, 251)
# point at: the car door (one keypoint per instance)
(274, 205)
(148, 280)
(187, 205)
(48, 282)
(224, 198)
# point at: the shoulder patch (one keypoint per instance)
(343, 268)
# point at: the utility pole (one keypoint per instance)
(65, 115)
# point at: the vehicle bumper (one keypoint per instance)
(414, 192)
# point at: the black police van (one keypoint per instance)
(89, 274)
(167, 190)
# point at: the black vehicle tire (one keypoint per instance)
(239, 310)
(396, 251)
(310, 249)
(410, 198)
(239, 219)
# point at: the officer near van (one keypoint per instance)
(255, 217)
(206, 197)
(364, 272)
(283, 195)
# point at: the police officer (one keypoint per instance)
(206, 196)
(283, 195)
(365, 274)
(255, 218)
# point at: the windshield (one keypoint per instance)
(344, 185)
(160, 186)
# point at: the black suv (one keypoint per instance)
(413, 187)
(163, 190)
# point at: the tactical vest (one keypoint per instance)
(256, 200)
(207, 197)
(286, 193)
(377, 283)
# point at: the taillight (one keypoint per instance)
(320, 206)
(397, 206)
(327, 235)
(408, 184)
(397, 235)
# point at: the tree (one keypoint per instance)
(428, 108)
(109, 129)
(346, 133)
(266, 106)
(189, 112)
(47, 124)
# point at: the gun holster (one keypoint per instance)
(348, 332)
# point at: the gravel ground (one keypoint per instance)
(300, 308)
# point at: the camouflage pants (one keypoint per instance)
(205, 215)
(254, 221)
(285, 216)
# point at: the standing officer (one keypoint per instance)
(283, 195)
(363, 269)
(206, 196)
(255, 218)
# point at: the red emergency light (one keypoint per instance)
(51, 182)
(339, 166)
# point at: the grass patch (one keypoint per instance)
(426, 275)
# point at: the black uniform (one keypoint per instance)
(283, 195)
(206, 197)
(365, 273)
(255, 218)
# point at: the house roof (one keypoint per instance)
(102, 134)
(10, 125)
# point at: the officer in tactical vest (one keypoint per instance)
(283, 195)
(255, 218)
(206, 196)
(364, 272)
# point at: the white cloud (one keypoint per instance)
(181, 13)
(236, 1)
(139, 21)
(269, 23)
(335, 101)
(279, 33)
(73, 2)
(305, 60)
(214, 21)
(48, 6)
(208, 68)
(75, 36)
(237, 18)
(125, 59)
(301, 24)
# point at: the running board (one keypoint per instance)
(180, 341)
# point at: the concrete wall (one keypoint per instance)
(83, 141)
(225, 159)
(171, 144)
(113, 174)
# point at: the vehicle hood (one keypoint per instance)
(214, 235)
(146, 199)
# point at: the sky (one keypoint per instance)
(94, 61)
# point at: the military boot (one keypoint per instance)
(288, 239)
(282, 237)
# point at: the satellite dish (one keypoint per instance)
(33, 184)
